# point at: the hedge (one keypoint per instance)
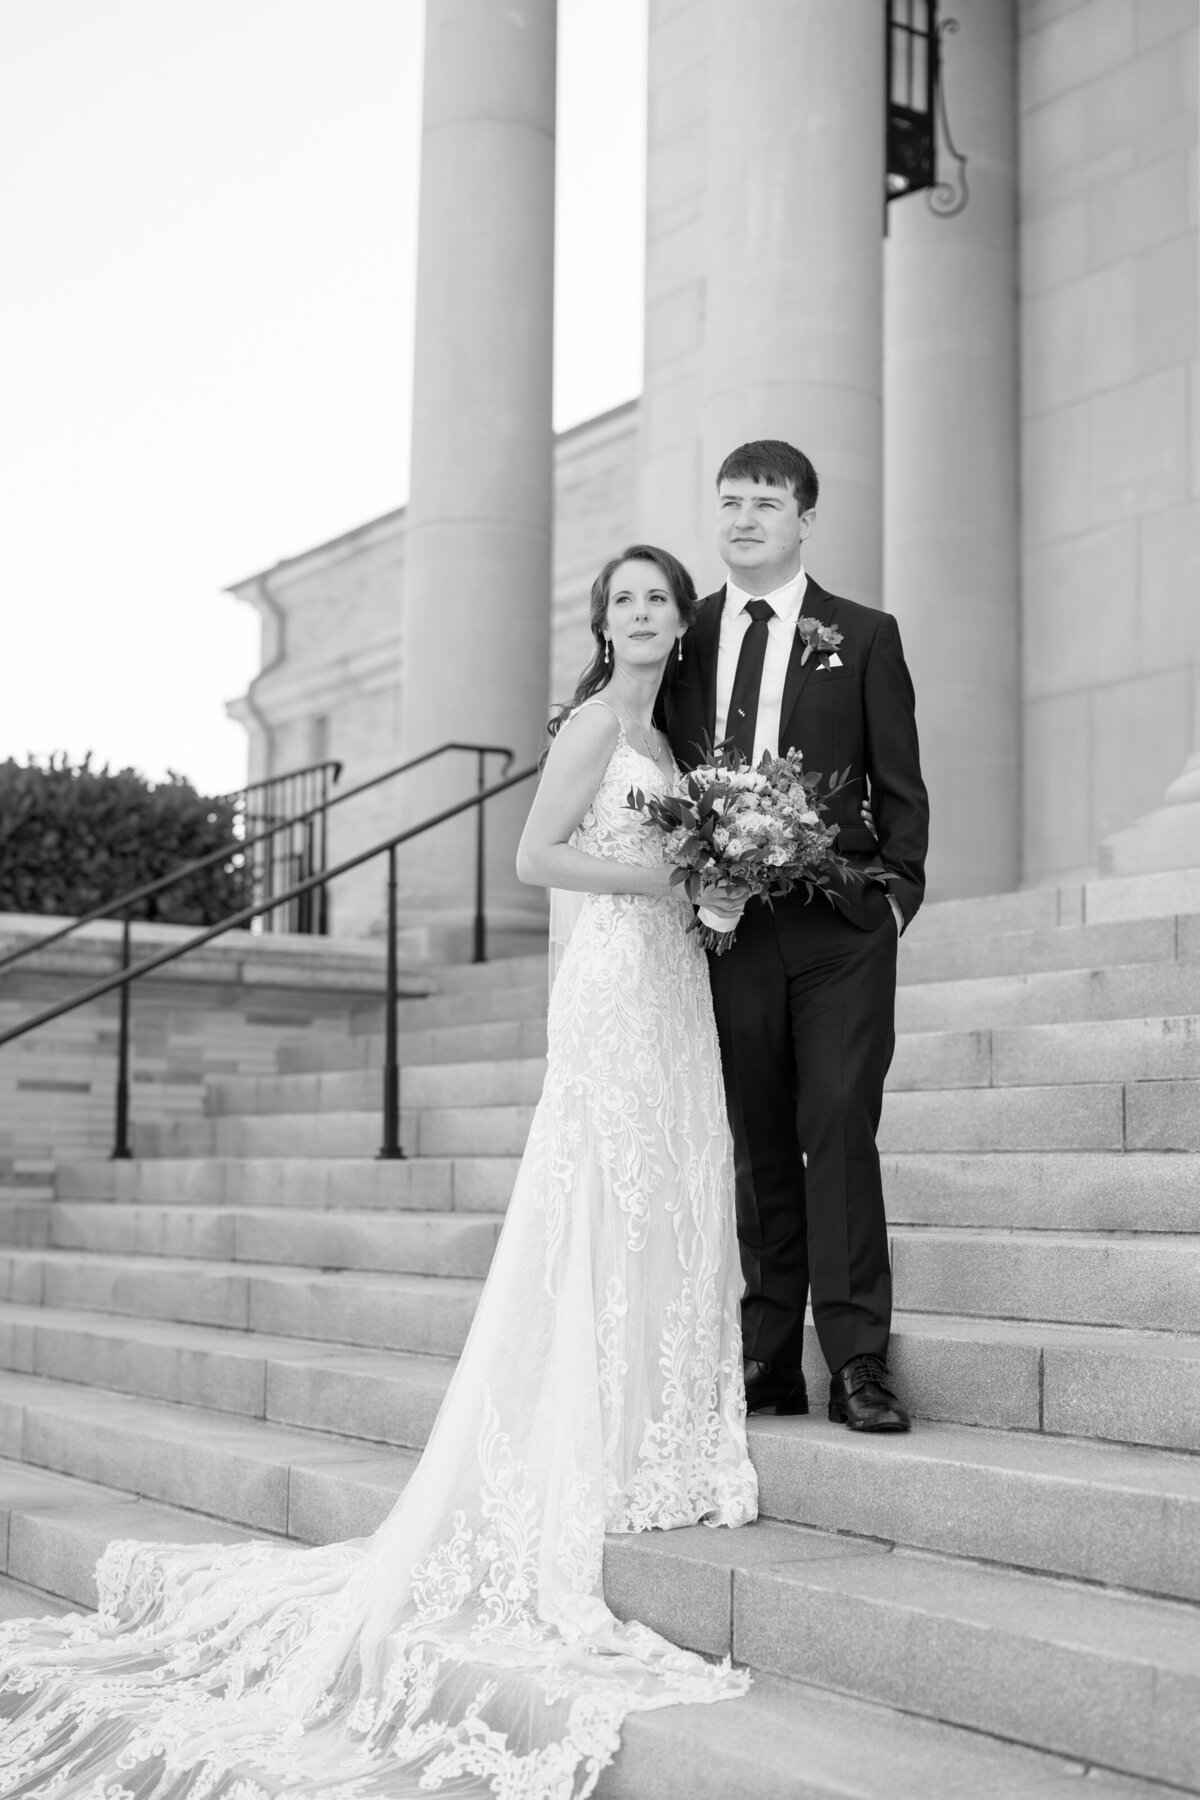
(73, 838)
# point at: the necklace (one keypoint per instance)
(654, 754)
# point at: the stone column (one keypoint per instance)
(793, 333)
(475, 657)
(951, 533)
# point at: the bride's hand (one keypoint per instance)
(727, 899)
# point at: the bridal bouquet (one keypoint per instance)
(747, 830)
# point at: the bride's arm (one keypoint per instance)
(574, 768)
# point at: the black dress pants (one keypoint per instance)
(805, 1009)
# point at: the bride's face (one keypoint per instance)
(643, 620)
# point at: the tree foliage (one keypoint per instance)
(73, 838)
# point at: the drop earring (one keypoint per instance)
(607, 651)
(680, 642)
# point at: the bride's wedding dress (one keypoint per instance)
(466, 1648)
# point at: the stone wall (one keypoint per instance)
(1110, 416)
(222, 1011)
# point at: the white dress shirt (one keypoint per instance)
(786, 601)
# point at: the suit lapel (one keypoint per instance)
(816, 605)
(708, 640)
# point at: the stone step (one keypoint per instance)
(849, 1749)
(1145, 1049)
(500, 1081)
(1082, 1115)
(1129, 1191)
(436, 1243)
(1144, 1283)
(1095, 1673)
(927, 957)
(1132, 991)
(1113, 1115)
(501, 972)
(428, 1044)
(526, 1001)
(1100, 1674)
(426, 1314)
(425, 1184)
(263, 1476)
(1109, 1514)
(383, 1396)
(788, 1740)
(467, 1130)
(1089, 1382)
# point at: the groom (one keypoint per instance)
(805, 995)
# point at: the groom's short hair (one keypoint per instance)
(770, 459)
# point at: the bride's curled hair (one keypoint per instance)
(598, 673)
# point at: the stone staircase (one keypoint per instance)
(249, 1329)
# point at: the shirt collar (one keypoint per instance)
(785, 601)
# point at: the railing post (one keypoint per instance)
(121, 1151)
(390, 1149)
(480, 948)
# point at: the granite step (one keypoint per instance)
(1151, 1048)
(782, 1741)
(1109, 1677)
(926, 956)
(1130, 991)
(424, 1184)
(426, 1314)
(264, 1476)
(1084, 1115)
(434, 1243)
(1094, 1673)
(1142, 1282)
(425, 1044)
(1129, 1191)
(503, 1080)
(1119, 1386)
(1110, 1115)
(1105, 1512)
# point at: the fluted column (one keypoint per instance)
(952, 574)
(477, 585)
(793, 332)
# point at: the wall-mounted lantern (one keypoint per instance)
(916, 108)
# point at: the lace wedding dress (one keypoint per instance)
(466, 1648)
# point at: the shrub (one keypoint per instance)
(73, 838)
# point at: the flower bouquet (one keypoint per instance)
(753, 831)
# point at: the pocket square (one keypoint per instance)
(835, 661)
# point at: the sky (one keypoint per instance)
(208, 217)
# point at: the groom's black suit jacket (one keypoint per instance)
(861, 716)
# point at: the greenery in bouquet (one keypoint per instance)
(748, 831)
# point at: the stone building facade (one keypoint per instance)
(1004, 406)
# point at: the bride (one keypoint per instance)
(466, 1647)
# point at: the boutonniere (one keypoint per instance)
(823, 638)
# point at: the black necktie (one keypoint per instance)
(743, 701)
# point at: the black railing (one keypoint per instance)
(124, 977)
(285, 818)
(307, 881)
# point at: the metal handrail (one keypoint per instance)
(237, 846)
(126, 975)
(269, 781)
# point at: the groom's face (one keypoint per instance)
(760, 532)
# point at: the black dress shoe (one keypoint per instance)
(860, 1397)
(767, 1384)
